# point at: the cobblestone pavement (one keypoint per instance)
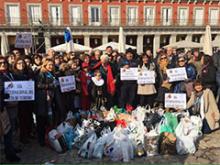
(208, 153)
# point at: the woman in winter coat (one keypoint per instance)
(45, 84)
(22, 73)
(185, 86)
(146, 91)
(5, 75)
(202, 102)
(208, 73)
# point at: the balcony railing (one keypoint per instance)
(111, 22)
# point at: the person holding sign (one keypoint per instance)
(128, 87)
(22, 73)
(187, 85)
(10, 151)
(202, 103)
(146, 91)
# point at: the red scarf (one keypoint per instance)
(110, 81)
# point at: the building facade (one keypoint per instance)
(147, 23)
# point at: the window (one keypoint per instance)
(183, 16)
(13, 14)
(166, 16)
(149, 15)
(95, 15)
(198, 17)
(132, 16)
(34, 14)
(76, 15)
(114, 15)
(213, 16)
(55, 14)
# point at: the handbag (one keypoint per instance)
(5, 124)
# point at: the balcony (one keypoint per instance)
(109, 23)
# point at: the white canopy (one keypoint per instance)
(4, 44)
(75, 47)
(184, 44)
(114, 45)
(207, 43)
(216, 43)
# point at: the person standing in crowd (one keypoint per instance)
(109, 50)
(21, 73)
(163, 83)
(202, 103)
(98, 91)
(197, 59)
(108, 76)
(11, 60)
(37, 62)
(85, 79)
(171, 57)
(216, 60)
(5, 75)
(128, 88)
(146, 91)
(95, 59)
(208, 73)
(185, 86)
(45, 88)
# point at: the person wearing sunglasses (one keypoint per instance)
(5, 75)
(187, 85)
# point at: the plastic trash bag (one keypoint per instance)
(120, 146)
(187, 132)
(87, 148)
(151, 142)
(168, 123)
(63, 127)
(69, 137)
(111, 115)
(57, 141)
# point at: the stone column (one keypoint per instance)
(172, 38)
(104, 39)
(86, 40)
(47, 41)
(140, 43)
(189, 37)
(156, 44)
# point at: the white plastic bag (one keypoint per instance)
(87, 148)
(151, 143)
(52, 136)
(187, 133)
(63, 127)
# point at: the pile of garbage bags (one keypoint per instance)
(122, 136)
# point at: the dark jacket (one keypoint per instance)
(44, 85)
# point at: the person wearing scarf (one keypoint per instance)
(202, 103)
(107, 74)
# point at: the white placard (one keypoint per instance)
(146, 77)
(19, 90)
(175, 100)
(177, 74)
(129, 74)
(23, 40)
(67, 83)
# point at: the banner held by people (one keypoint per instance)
(175, 100)
(177, 74)
(67, 83)
(146, 77)
(129, 74)
(23, 40)
(20, 90)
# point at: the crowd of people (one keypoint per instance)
(98, 85)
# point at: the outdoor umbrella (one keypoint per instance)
(121, 46)
(216, 43)
(4, 44)
(184, 44)
(114, 46)
(207, 44)
(75, 48)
